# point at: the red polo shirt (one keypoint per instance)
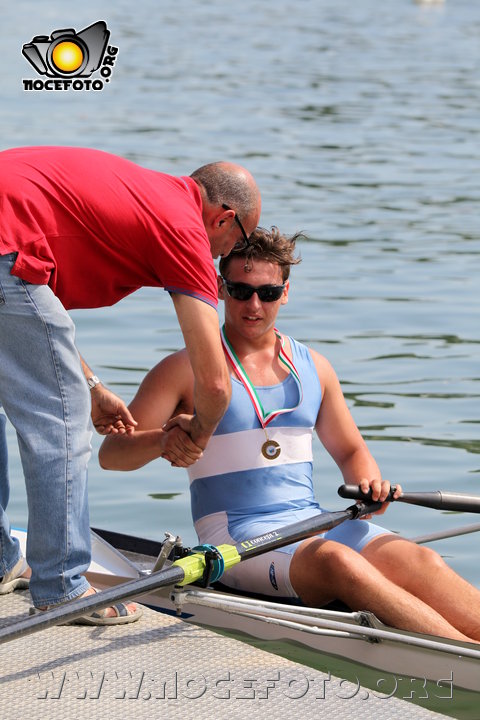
(96, 227)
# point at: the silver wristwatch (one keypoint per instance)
(93, 382)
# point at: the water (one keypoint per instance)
(360, 122)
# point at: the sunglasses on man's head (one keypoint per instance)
(242, 291)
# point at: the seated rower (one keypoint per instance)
(256, 473)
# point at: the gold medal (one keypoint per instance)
(271, 449)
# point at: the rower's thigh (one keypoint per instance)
(357, 534)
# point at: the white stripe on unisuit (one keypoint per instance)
(243, 451)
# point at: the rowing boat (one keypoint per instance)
(315, 634)
(172, 580)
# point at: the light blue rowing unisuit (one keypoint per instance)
(237, 493)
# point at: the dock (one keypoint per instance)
(162, 667)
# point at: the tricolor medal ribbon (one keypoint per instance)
(270, 448)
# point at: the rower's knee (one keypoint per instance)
(320, 569)
(423, 568)
(428, 558)
(402, 561)
(338, 561)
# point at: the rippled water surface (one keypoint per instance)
(360, 122)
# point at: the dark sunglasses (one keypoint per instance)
(246, 242)
(242, 291)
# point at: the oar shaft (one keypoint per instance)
(301, 530)
(81, 606)
(438, 500)
(445, 534)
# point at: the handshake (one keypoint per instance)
(180, 449)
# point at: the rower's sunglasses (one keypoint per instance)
(246, 242)
(242, 291)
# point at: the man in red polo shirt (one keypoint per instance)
(81, 228)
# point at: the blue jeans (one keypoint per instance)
(45, 396)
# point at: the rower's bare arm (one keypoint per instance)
(341, 437)
(199, 324)
(165, 391)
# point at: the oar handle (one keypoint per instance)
(353, 492)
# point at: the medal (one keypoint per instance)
(270, 448)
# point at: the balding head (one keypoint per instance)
(229, 184)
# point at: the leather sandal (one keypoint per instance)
(121, 617)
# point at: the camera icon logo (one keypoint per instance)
(66, 53)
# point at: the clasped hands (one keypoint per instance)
(178, 446)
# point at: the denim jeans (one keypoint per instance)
(46, 398)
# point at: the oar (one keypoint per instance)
(445, 534)
(184, 571)
(436, 499)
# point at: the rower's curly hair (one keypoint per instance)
(268, 245)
